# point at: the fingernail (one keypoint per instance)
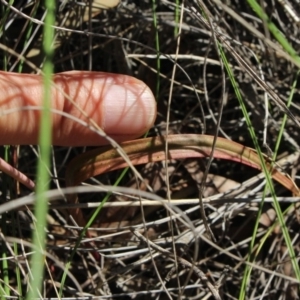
(128, 108)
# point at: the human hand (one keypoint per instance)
(123, 106)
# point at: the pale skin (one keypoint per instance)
(123, 106)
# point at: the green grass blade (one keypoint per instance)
(177, 18)
(274, 30)
(2, 293)
(4, 228)
(268, 178)
(5, 13)
(41, 207)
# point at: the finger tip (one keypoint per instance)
(128, 107)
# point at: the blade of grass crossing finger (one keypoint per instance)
(41, 206)
(268, 177)
(274, 30)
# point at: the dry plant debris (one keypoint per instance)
(164, 251)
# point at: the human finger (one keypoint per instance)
(122, 106)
